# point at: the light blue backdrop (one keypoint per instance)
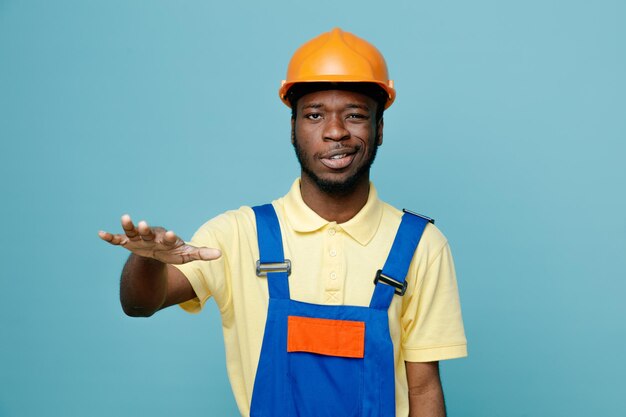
(509, 129)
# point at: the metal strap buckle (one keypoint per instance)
(400, 287)
(262, 269)
(428, 219)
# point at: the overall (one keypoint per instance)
(328, 361)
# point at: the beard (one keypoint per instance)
(335, 187)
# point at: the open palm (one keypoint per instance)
(157, 243)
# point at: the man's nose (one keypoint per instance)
(335, 129)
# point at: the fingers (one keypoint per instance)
(192, 253)
(206, 254)
(145, 232)
(111, 238)
(129, 228)
(170, 238)
(106, 236)
(141, 231)
(157, 243)
(131, 232)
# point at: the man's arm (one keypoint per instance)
(149, 283)
(425, 392)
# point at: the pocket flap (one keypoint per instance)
(344, 338)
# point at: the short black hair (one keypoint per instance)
(372, 90)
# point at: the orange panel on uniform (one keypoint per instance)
(326, 337)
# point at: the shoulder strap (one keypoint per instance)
(272, 261)
(391, 279)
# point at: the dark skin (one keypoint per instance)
(149, 281)
(336, 133)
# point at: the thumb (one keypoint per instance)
(208, 254)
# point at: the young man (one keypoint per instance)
(333, 303)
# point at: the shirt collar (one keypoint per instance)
(361, 227)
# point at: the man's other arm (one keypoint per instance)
(425, 392)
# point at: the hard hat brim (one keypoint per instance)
(387, 87)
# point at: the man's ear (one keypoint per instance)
(379, 132)
(293, 131)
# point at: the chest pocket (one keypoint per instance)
(344, 338)
(326, 366)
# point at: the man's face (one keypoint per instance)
(335, 135)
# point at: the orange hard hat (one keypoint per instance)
(338, 57)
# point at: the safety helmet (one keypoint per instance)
(338, 57)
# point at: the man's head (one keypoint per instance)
(338, 88)
(336, 133)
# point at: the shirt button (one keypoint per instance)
(333, 252)
(331, 232)
(333, 275)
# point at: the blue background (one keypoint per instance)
(509, 129)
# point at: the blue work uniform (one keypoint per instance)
(321, 360)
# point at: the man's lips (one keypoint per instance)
(338, 158)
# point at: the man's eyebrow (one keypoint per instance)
(313, 106)
(348, 106)
(358, 106)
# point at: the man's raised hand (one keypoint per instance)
(157, 243)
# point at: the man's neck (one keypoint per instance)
(335, 207)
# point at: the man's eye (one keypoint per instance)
(357, 116)
(313, 116)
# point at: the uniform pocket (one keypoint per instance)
(326, 337)
(326, 366)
